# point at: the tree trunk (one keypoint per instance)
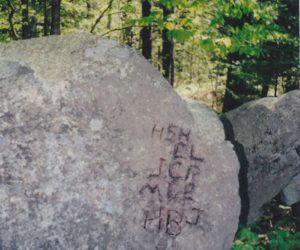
(159, 58)
(46, 22)
(88, 9)
(25, 20)
(236, 87)
(146, 31)
(33, 21)
(267, 82)
(167, 50)
(108, 26)
(55, 17)
(264, 91)
(229, 101)
(127, 35)
(172, 79)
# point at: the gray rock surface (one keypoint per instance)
(266, 135)
(98, 152)
(291, 193)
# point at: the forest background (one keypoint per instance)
(223, 52)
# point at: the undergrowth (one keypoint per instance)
(277, 230)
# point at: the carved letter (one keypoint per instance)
(153, 217)
(172, 171)
(185, 135)
(174, 192)
(194, 170)
(179, 150)
(173, 226)
(188, 191)
(195, 157)
(161, 161)
(171, 133)
(198, 211)
(155, 130)
(152, 190)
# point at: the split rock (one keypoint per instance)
(98, 152)
(266, 135)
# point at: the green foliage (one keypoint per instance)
(207, 44)
(247, 240)
(128, 8)
(263, 48)
(182, 35)
(275, 231)
(262, 33)
(284, 240)
(247, 235)
(246, 23)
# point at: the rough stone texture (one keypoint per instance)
(201, 112)
(266, 135)
(291, 193)
(98, 152)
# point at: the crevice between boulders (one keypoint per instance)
(243, 180)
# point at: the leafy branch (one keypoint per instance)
(101, 15)
(10, 20)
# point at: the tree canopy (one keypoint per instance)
(222, 51)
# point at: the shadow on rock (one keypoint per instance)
(243, 189)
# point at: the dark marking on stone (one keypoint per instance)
(181, 184)
(152, 189)
(156, 130)
(178, 152)
(8, 117)
(160, 218)
(194, 169)
(183, 134)
(173, 226)
(195, 157)
(25, 151)
(298, 149)
(161, 162)
(147, 217)
(196, 220)
(172, 194)
(171, 134)
(188, 192)
(8, 131)
(172, 170)
(268, 131)
(64, 128)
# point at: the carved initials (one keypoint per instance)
(161, 162)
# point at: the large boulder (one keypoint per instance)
(266, 135)
(98, 152)
(291, 193)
